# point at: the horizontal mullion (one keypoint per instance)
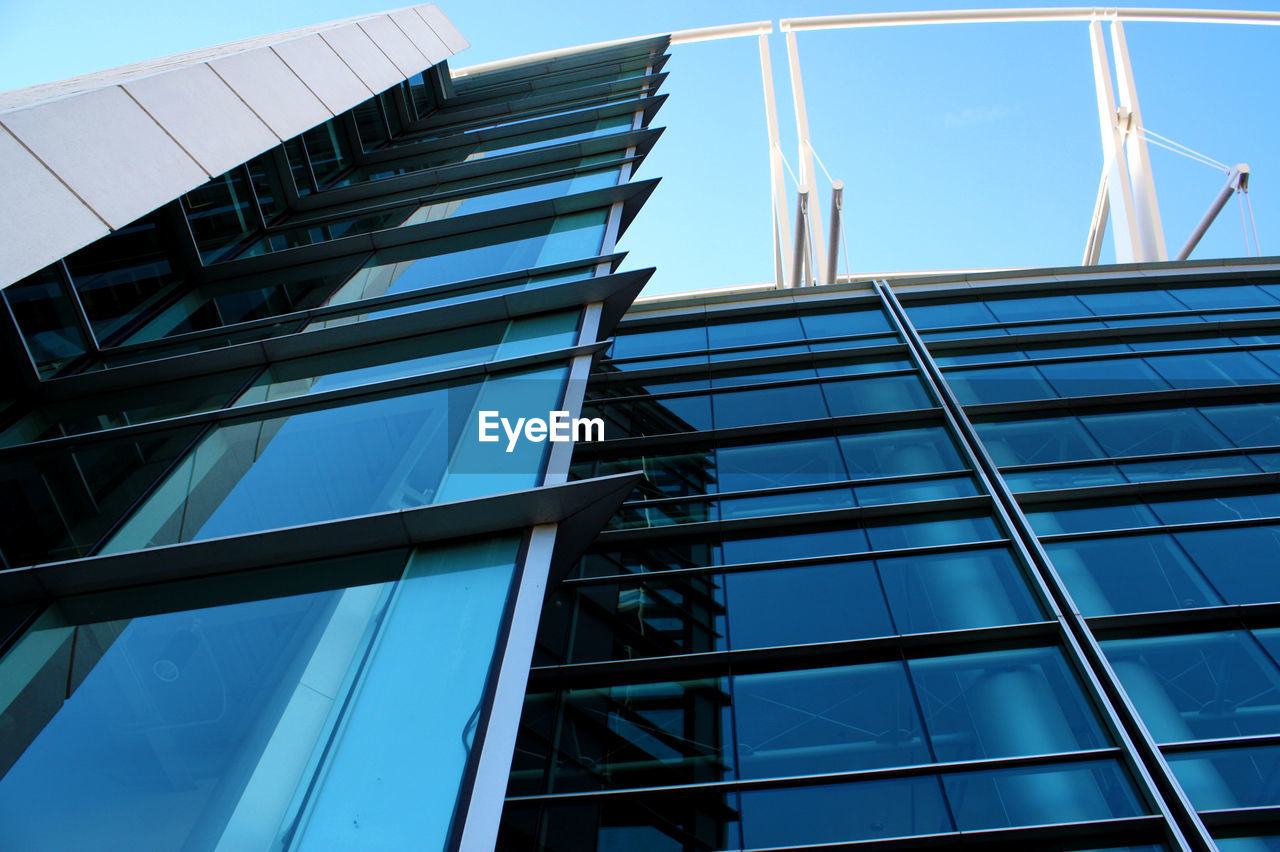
(800, 562)
(1091, 318)
(667, 440)
(1158, 528)
(611, 538)
(1106, 460)
(1111, 356)
(1205, 619)
(1156, 488)
(796, 489)
(1142, 400)
(906, 371)
(914, 771)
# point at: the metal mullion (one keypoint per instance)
(1138, 401)
(823, 516)
(1155, 488)
(1050, 538)
(913, 771)
(701, 437)
(1098, 462)
(1204, 619)
(1112, 356)
(737, 388)
(1154, 775)
(1224, 744)
(864, 556)
(943, 346)
(1190, 312)
(69, 292)
(798, 489)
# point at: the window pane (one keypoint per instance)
(826, 720)
(1003, 704)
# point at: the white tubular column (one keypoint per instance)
(1146, 209)
(1098, 224)
(1128, 246)
(813, 222)
(837, 222)
(777, 188)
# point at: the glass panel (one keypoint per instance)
(1256, 425)
(1212, 369)
(646, 734)
(1141, 433)
(1230, 778)
(1037, 308)
(946, 314)
(1222, 296)
(875, 395)
(800, 605)
(998, 384)
(1200, 686)
(956, 591)
(1130, 302)
(781, 464)
(826, 720)
(1146, 573)
(47, 320)
(841, 323)
(1070, 518)
(899, 452)
(868, 810)
(476, 254)
(639, 342)
(364, 457)
(1052, 439)
(1041, 795)
(1095, 378)
(751, 332)
(205, 727)
(768, 405)
(1003, 704)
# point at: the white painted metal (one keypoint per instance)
(1062, 13)
(323, 72)
(48, 207)
(691, 36)
(798, 277)
(97, 151)
(167, 98)
(837, 222)
(813, 220)
(484, 811)
(1128, 247)
(777, 180)
(1236, 181)
(1098, 224)
(84, 141)
(1145, 207)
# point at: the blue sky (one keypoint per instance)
(960, 146)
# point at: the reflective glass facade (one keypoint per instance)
(985, 562)
(262, 586)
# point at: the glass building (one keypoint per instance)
(979, 561)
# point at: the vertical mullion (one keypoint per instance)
(1185, 826)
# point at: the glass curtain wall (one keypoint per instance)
(304, 341)
(893, 558)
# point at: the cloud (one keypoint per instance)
(971, 116)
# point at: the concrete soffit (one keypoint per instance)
(82, 157)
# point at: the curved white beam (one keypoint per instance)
(1060, 13)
